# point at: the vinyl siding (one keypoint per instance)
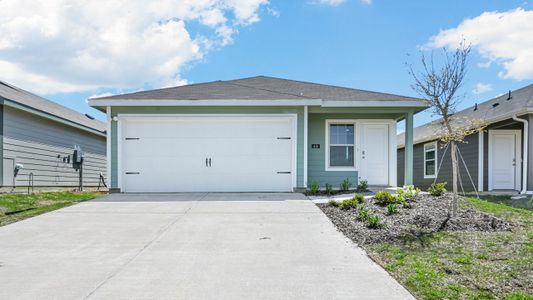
(36, 143)
(469, 151)
(316, 157)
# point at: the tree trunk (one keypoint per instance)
(455, 171)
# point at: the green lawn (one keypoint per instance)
(526, 202)
(15, 207)
(460, 265)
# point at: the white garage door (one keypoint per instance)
(200, 154)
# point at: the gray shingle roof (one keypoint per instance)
(488, 112)
(25, 98)
(259, 88)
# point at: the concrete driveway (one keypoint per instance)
(187, 246)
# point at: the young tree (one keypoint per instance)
(438, 83)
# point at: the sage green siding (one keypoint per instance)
(316, 134)
(209, 110)
(317, 157)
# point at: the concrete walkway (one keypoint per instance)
(187, 246)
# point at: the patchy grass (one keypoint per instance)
(466, 265)
(526, 203)
(16, 207)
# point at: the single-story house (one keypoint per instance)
(38, 139)
(496, 158)
(258, 134)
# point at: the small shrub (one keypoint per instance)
(374, 222)
(362, 186)
(352, 202)
(329, 189)
(345, 185)
(362, 214)
(408, 193)
(314, 187)
(333, 203)
(384, 198)
(437, 189)
(392, 208)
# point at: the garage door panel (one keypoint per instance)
(168, 154)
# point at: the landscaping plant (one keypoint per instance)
(352, 202)
(329, 189)
(392, 208)
(362, 214)
(333, 203)
(362, 186)
(345, 185)
(314, 187)
(374, 222)
(408, 193)
(437, 189)
(439, 84)
(384, 198)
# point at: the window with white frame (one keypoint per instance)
(341, 145)
(430, 160)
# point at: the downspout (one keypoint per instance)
(524, 153)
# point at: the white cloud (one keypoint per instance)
(67, 45)
(481, 88)
(329, 2)
(367, 2)
(502, 37)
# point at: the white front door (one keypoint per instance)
(207, 154)
(374, 154)
(504, 156)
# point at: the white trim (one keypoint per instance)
(293, 117)
(119, 155)
(435, 144)
(258, 102)
(306, 146)
(327, 146)
(108, 146)
(480, 163)
(132, 102)
(518, 155)
(376, 103)
(393, 171)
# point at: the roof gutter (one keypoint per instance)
(524, 153)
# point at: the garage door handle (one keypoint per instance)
(133, 173)
(284, 138)
(284, 172)
(209, 162)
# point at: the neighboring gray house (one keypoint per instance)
(257, 134)
(39, 136)
(497, 157)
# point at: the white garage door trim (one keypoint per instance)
(121, 117)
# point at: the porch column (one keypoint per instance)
(408, 176)
(530, 154)
(306, 147)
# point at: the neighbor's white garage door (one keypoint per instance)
(200, 154)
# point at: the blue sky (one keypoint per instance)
(353, 43)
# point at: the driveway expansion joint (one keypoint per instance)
(158, 235)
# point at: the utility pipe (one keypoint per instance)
(524, 153)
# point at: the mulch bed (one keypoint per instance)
(427, 215)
